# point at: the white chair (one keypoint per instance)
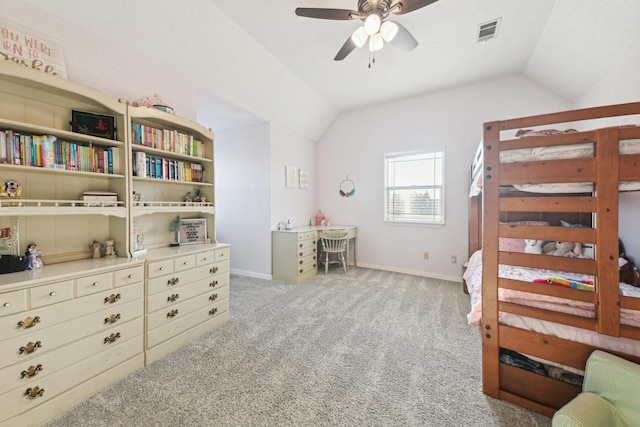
(334, 243)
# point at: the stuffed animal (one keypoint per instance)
(567, 249)
(533, 246)
(11, 189)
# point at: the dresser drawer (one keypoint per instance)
(218, 280)
(95, 283)
(129, 276)
(15, 401)
(35, 343)
(52, 315)
(172, 297)
(176, 311)
(220, 267)
(205, 258)
(13, 302)
(51, 294)
(222, 254)
(45, 364)
(160, 268)
(184, 263)
(178, 279)
(184, 322)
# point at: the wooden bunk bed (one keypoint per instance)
(606, 318)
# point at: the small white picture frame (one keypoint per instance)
(303, 176)
(291, 177)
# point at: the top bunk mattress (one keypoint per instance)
(554, 152)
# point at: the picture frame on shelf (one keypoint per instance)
(192, 231)
(99, 125)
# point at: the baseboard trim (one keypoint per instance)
(251, 274)
(413, 272)
(372, 266)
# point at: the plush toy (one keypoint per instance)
(533, 246)
(11, 189)
(567, 249)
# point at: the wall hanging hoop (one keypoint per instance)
(347, 188)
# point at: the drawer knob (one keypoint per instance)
(95, 284)
(52, 294)
(213, 311)
(112, 338)
(205, 259)
(29, 322)
(130, 276)
(172, 313)
(213, 297)
(213, 284)
(161, 268)
(30, 348)
(6, 304)
(300, 262)
(173, 297)
(301, 271)
(214, 270)
(173, 281)
(112, 319)
(301, 253)
(34, 392)
(185, 263)
(300, 245)
(31, 371)
(112, 298)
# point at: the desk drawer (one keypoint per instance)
(159, 268)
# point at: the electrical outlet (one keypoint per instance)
(425, 255)
(454, 259)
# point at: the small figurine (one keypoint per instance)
(96, 246)
(199, 197)
(188, 198)
(110, 250)
(11, 189)
(34, 257)
(138, 198)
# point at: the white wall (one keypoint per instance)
(621, 85)
(355, 144)
(243, 195)
(291, 149)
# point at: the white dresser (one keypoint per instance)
(66, 332)
(295, 255)
(187, 292)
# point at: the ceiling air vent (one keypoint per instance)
(488, 30)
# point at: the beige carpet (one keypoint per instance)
(369, 348)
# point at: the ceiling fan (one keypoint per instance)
(375, 29)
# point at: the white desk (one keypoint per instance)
(352, 232)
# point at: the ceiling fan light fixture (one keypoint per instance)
(372, 24)
(375, 43)
(359, 37)
(389, 30)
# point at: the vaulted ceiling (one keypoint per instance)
(259, 57)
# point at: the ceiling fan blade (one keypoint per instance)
(335, 14)
(410, 5)
(345, 50)
(403, 39)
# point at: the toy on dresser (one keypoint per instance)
(34, 257)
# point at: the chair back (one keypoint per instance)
(335, 241)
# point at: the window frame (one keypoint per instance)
(395, 219)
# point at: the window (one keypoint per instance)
(414, 187)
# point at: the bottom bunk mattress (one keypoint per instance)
(473, 280)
